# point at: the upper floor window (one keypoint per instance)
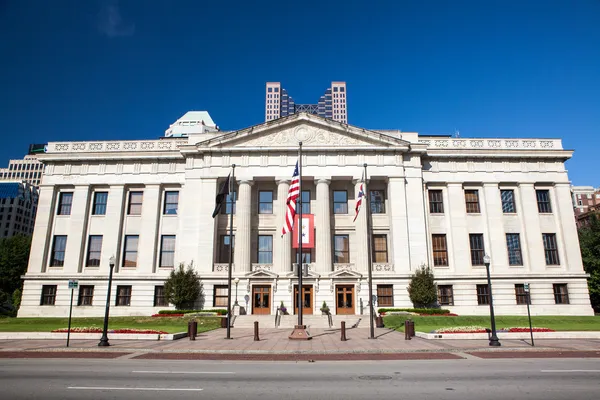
(341, 249)
(472, 201)
(477, 248)
(265, 249)
(513, 244)
(167, 251)
(135, 203)
(436, 202)
(171, 203)
(94, 251)
(543, 201)
(224, 248)
(305, 202)
(130, 252)
(550, 249)
(440, 250)
(508, 201)
(377, 201)
(58, 251)
(380, 253)
(340, 202)
(265, 202)
(65, 200)
(100, 200)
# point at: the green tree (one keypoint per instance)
(422, 289)
(14, 256)
(183, 287)
(589, 241)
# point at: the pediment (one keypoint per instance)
(345, 273)
(311, 130)
(262, 273)
(311, 274)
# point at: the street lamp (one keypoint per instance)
(236, 281)
(104, 338)
(494, 338)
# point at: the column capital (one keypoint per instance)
(245, 182)
(323, 179)
(282, 181)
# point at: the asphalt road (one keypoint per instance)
(479, 379)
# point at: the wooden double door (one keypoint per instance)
(344, 300)
(307, 299)
(261, 299)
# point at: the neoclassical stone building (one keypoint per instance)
(439, 201)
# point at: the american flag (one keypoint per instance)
(361, 194)
(293, 195)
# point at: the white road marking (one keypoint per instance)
(127, 388)
(181, 372)
(570, 370)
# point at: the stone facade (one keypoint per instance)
(157, 197)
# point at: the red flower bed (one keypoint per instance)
(99, 330)
(168, 315)
(533, 329)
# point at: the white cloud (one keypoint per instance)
(111, 23)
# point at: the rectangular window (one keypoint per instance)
(306, 256)
(224, 249)
(220, 296)
(440, 250)
(543, 201)
(305, 202)
(58, 251)
(472, 201)
(436, 202)
(385, 295)
(508, 201)
(550, 249)
(477, 248)
(377, 201)
(341, 249)
(265, 202)
(135, 203)
(483, 295)
(380, 254)
(65, 200)
(265, 249)
(445, 295)
(100, 200)
(520, 293)
(159, 297)
(340, 202)
(513, 244)
(171, 203)
(123, 296)
(130, 251)
(94, 251)
(167, 251)
(230, 201)
(48, 295)
(561, 293)
(86, 295)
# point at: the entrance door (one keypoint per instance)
(307, 299)
(344, 304)
(261, 299)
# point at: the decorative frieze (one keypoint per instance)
(383, 267)
(262, 267)
(492, 144)
(120, 146)
(344, 266)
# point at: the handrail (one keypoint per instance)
(277, 317)
(330, 319)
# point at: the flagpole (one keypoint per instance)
(299, 260)
(230, 268)
(369, 261)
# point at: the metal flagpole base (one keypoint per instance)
(300, 333)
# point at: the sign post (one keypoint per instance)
(526, 288)
(72, 285)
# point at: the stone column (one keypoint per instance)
(113, 229)
(243, 238)
(399, 224)
(283, 245)
(42, 237)
(149, 243)
(323, 237)
(361, 233)
(76, 241)
(532, 232)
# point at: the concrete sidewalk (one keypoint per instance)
(275, 341)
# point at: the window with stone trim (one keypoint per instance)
(48, 295)
(123, 296)
(86, 295)
(520, 293)
(380, 252)
(550, 249)
(159, 297)
(483, 295)
(265, 202)
(94, 251)
(377, 201)
(561, 293)
(167, 251)
(265, 249)
(472, 201)
(130, 252)
(65, 201)
(59, 246)
(341, 249)
(513, 244)
(171, 203)
(445, 295)
(135, 203)
(340, 202)
(436, 201)
(543, 201)
(220, 296)
(224, 249)
(508, 201)
(477, 248)
(440, 250)
(385, 295)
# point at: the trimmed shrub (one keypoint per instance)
(428, 311)
(217, 311)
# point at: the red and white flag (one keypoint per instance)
(361, 194)
(293, 195)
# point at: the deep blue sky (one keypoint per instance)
(107, 69)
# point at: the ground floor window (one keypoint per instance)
(159, 297)
(123, 296)
(561, 293)
(445, 295)
(520, 293)
(220, 296)
(385, 295)
(86, 295)
(48, 295)
(483, 295)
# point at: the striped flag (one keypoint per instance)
(293, 195)
(361, 194)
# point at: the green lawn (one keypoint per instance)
(558, 323)
(167, 324)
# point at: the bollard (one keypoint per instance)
(379, 322)
(407, 330)
(412, 328)
(192, 329)
(256, 338)
(343, 338)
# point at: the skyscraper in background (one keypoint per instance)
(332, 104)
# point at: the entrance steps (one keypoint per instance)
(311, 321)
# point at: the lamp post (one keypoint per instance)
(494, 338)
(104, 338)
(236, 281)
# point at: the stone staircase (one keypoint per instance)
(311, 321)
